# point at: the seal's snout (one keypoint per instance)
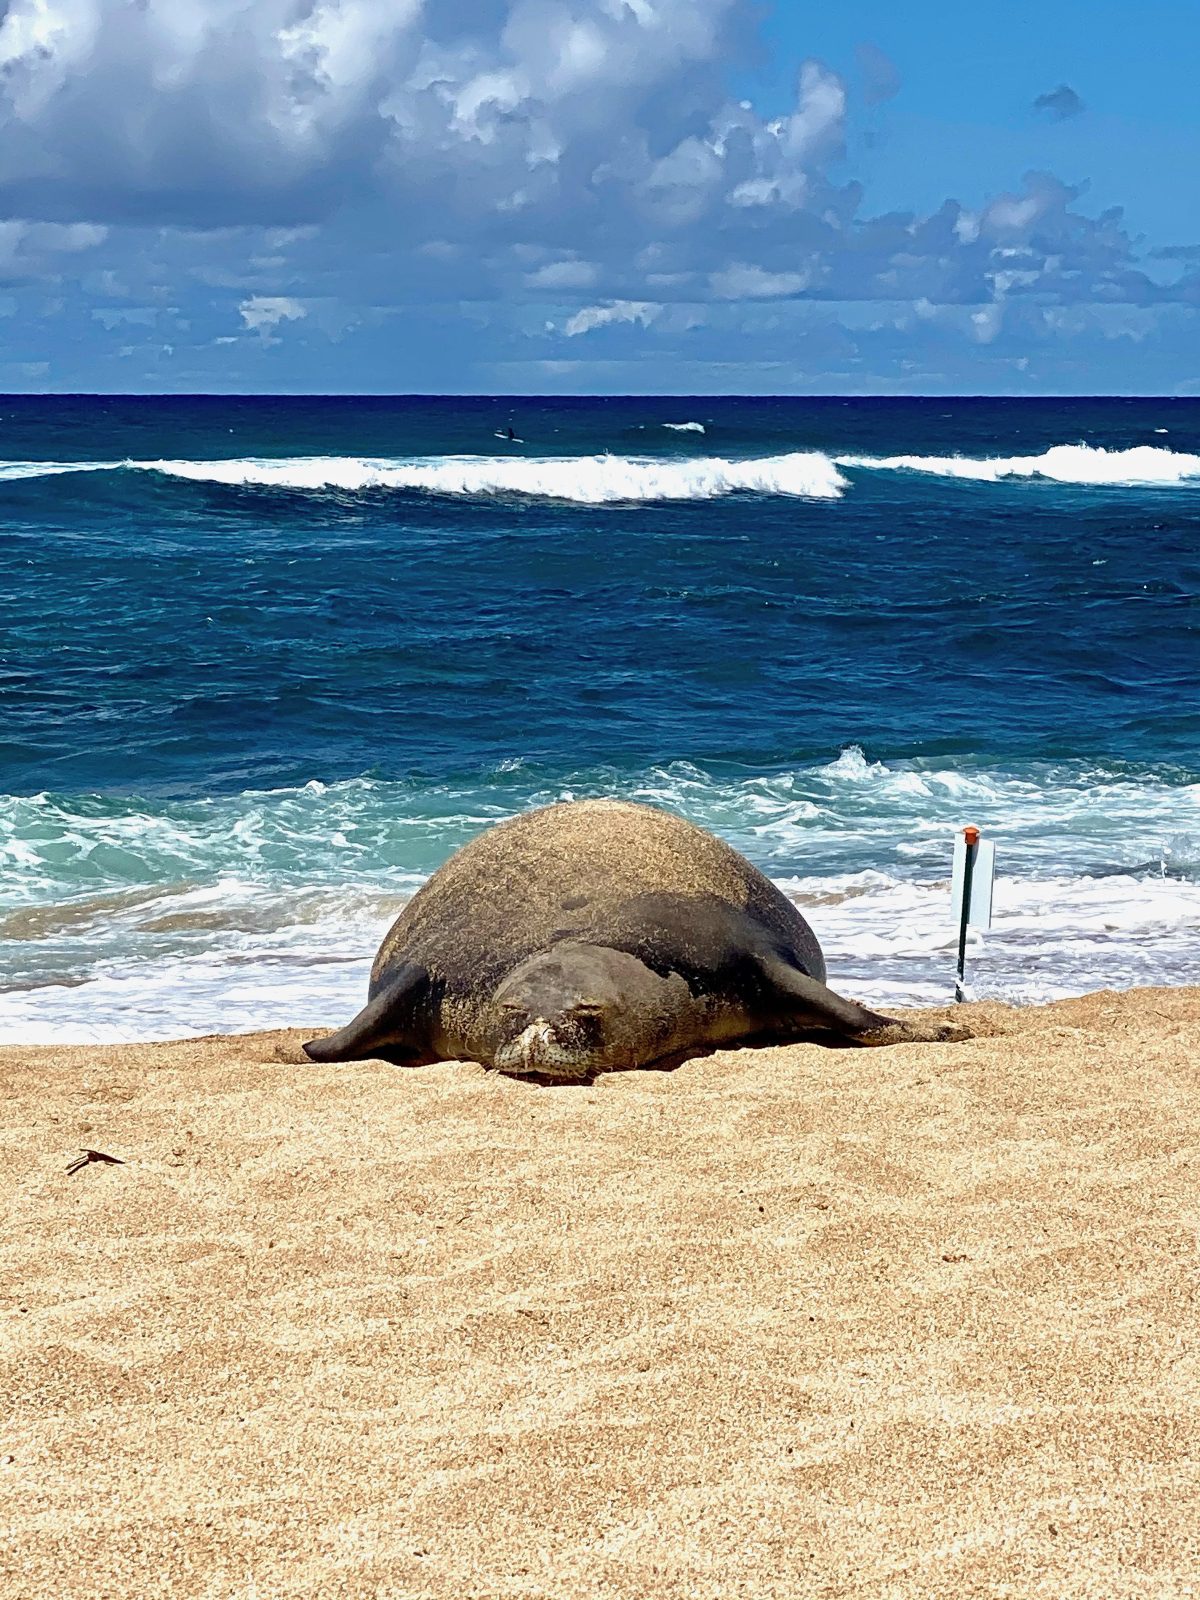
(545, 1042)
(538, 1039)
(537, 1035)
(536, 1049)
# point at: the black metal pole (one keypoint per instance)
(971, 835)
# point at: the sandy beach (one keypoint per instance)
(798, 1321)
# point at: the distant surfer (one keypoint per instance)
(510, 434)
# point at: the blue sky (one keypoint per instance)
(599, 196)
(964, 122)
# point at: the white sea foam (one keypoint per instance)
(592, 480)
(1062, 463)
(685, 427)
(894, 940)
(13, 470)
(610, 479)
(887, 940)
(123, 919)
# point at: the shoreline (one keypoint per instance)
(989, 1017)
(901, 1320)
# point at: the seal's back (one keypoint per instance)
(582, 869)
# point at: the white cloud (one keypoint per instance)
(591, 317)
(986, 322)
(1012, 216)
(744, 282)
(266, 109)
(563, 275)
(262, 313)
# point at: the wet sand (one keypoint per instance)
(904, 1322)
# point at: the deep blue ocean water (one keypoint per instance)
(265, 662)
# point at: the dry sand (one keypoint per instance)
(805, 1321)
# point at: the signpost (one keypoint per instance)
(971, 892)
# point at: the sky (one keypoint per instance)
(599, 196)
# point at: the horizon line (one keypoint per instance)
(498, 395)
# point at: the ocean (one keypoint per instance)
(265, 662)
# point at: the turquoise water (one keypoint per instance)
(264, 663)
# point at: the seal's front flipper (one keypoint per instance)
(811, 1004)
(383, 1027)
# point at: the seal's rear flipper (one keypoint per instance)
(384, 1023)
(814, 1005)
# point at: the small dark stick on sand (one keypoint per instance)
(86, 1156)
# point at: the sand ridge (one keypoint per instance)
(797, 1321)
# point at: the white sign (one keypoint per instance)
(979, 912)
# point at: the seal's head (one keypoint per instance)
(565, 1012)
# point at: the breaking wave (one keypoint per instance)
(1062, 463)
(593, 480)
(613, 479)
(13, 471)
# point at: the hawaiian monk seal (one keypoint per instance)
(595, 936)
